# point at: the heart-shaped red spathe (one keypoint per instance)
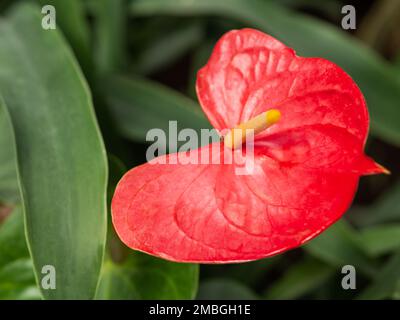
(306, 166)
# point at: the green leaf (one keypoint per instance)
(300, 279)
(385, 282)
(381, 239)
(61, 157)
(109, 35)
(396, 294)
(385, 209)
(310, 37)
(224, 289)
(12, 238)
(340, 245)
(17, 280)
(200, 58)
(145, 277)
(169, 47)
(70, 17)
(18, 273)
(9, 192)
(140, 105)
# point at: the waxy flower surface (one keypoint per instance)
(310, 125)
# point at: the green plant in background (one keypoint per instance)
(130, 66)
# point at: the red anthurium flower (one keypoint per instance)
(306, 164)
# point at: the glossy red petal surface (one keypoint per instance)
(250, 72)
(303, 180)
(306, 167)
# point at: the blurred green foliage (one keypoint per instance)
(140, 59)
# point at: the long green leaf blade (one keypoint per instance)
(61, 158)
(109, 35)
